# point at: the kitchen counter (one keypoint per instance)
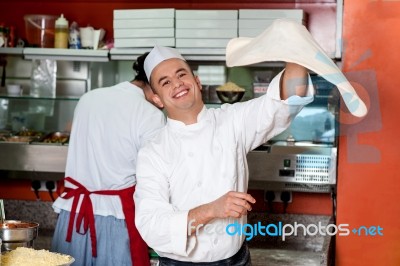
(279, 257)
(264, 250)
(259, 256)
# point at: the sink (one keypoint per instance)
(307, 250)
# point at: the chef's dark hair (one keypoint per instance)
(139, 69)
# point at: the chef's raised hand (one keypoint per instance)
(232, 204)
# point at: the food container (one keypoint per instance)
(57, 138)
(17, 234)
(14, 90)
(28, 256)
(40, 30)
(18, 139)
(230, 92)
(230, 96)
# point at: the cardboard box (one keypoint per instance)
(260, 23)
(206, 24)
(206, 14)
(144, 13)
(251, 32)
(202, 43)
(206, 33)
(297, 14)
(144, 33)
(143, 42)
(143, 23)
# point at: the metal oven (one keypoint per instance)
(303, 157)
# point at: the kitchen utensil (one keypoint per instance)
(18, 234)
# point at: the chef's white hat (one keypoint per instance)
(157, 55)
(289, 41)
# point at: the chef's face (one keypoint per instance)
(176, 88)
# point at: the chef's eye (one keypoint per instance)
(165, 83)
(182, 74)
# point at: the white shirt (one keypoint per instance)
(110, 125)
(189, 165)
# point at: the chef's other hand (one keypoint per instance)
(232, 204)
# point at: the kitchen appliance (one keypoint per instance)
(304, 157)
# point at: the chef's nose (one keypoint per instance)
(177, 82)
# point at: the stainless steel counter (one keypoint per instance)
(33, 157)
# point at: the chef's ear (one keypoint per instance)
(198, 82)
(157, 101)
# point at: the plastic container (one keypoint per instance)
(61, 33)
(40, 30)
(14, 89)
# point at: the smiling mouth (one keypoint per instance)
(181, 94)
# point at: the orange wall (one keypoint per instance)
(369, 180)
(21, 189)
(99, 13)
(82, 11)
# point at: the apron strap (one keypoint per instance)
(138, 248)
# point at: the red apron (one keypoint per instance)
(138, 248)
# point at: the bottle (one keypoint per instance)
(61, 33)
(2, 36)
(11, 37)
(74, 38)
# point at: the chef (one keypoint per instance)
(193, 176)
(96, 212)
(194, 173)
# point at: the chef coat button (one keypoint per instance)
(215, 241)
(199, 184)
(190, 154)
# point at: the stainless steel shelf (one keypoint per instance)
(67, 54)
(86, 55)
(28, 97)
(11, 51)
(191, 54)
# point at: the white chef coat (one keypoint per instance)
(185, 166)
(110, 125)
